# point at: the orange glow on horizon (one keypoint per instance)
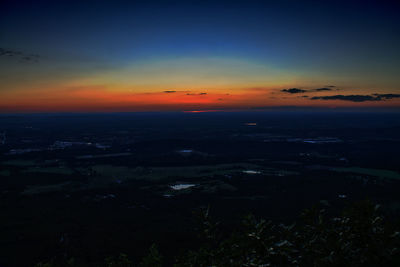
(98, 98)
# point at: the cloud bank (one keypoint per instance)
(294, 91)
(358, 98)
(300, 91)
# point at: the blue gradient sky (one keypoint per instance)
(248, 49)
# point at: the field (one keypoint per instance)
(122, 184)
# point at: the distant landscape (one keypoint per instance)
(95, 185)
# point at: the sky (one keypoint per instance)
(117, 56)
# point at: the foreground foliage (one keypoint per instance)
(358, 237)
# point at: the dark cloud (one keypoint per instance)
(9, 53)
(387, 96)
(293, 91)
(304, 96)
(352, 98)
(196, 94)
(323, 89)
(21, 56)
(169, 91)
(358, 98)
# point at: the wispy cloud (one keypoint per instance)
(387, 96)
(323, 89)
(21, 56)
(299, 91)
(358, 98)
(196, 94)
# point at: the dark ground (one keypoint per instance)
(107, 188)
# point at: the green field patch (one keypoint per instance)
(160, 173)
(39, 189)
(276, 172)
(217, 186)
(50, 170)
(372, 172)
(5, 173)
(20, 163)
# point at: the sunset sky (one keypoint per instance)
(198, 55)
